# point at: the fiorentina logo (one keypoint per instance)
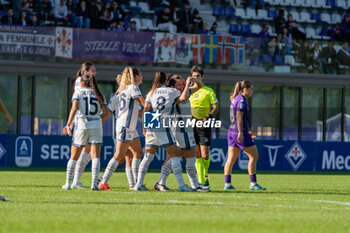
(295, 156)
(64, 42)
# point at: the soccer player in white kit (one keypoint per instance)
(161, 99)
(113, 107)
(184, 136)
(130, 99)
(88, 127)
(85, 157)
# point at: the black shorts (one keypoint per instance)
(202, 136)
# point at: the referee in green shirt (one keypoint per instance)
(204, 106)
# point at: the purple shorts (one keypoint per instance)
(247, 140)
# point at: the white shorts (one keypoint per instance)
(159, 138)
(92, 136)
(127, 135)
(185, 140)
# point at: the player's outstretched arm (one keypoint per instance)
(185, 94)
(197, 84)
(141, 100)
(146, 109)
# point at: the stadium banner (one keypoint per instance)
(233, 50)
(183, 49)
(110, 45)
(198, 48)
(27, 41)
(54, 151)
(165, 47)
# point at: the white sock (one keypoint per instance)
(70, 170)
(177, 169)
(165, 172)
(80, 167)
(191, 171)
(146, 161)
(95, 169)
(130, 176)
(252, 183)
(135, 168)
(112, 165)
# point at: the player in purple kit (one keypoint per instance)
(239, 136)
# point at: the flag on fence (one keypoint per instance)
(198, 48)
(165, 47)
(183, 49)
(64, 42)
(212, 49)
(234, 50)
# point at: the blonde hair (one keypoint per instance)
(239, 88)
(126, 78)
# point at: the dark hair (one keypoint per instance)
(239, 88)
(197, 69)
(158, 80)
(90, 81)
(84, 67)
(281, 13)
(173, 79)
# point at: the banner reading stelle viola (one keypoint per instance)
(27, 41)
(111, 45)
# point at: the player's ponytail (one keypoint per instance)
(158, 80)
(127, 77)
(90, 81)
(84, 67)
(239, 87)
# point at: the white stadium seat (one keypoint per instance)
(289, 2)
(310, 3)
(145, 7)
(326, 17)
(251, 14)
(336, 18)
(132, 3)
(322, 4)
(341, 3)
(255, 28)
(262, 14)
(241, 13)
(148, 23)
(296, 16)
(305, 17)
(311, 33)
(299, 3)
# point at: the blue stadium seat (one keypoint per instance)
(234, 29)
(229, 12)
(272, 14)
(2, 13)
(218, 12)
(245, 29)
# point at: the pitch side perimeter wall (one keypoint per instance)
(54, 151)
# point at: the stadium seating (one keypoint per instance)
(229, 12)
(145, 8)
(234, 29)
(245, 29)
(218, 12)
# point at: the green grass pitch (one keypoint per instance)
(301, 202)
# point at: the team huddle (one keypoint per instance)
(171, 97)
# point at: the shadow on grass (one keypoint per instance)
(63, 169)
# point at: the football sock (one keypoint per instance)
(130, 176)
(191, 171)
(200, 170)
(95, 169)
(252, 179)
(135, 168)
(177, 169)
(112, 165)
(206, 166)
(70, 170)
(227, 180)
(80, 166)
(146, 161)
(165, 172)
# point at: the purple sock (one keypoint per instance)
(227, 179)
(252, 178)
